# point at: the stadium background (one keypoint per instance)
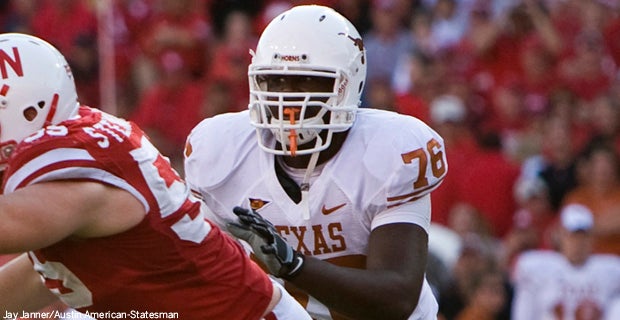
(518, 89)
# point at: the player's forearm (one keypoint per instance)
(358, 293)
(21, 288)
(34, 217)
(20, 232)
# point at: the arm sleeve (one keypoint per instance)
(416, 212)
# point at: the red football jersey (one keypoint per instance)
(173, 261)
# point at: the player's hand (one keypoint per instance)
(279, 257)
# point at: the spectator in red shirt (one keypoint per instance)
(180, 26)
(605, 119)
(417, 70)
(448, 115)
(611, 34)
(127, 29)
(170, 108)
(63, 21)
(231, 58)
(17, 16)
(71, 26)
(588, 70)
(490, 170)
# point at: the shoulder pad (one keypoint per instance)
(403, 151)
(216, 146)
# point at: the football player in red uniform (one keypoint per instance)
(106, 222)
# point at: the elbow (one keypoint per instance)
(404, 309)
(396, 307)
(400, 307)
(406, 301)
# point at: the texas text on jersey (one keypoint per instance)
(372, 181)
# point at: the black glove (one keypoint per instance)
(279, 257)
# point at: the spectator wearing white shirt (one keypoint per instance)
(572, 283)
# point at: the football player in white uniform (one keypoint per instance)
(572, 284)
(109, 226)
(344, 192)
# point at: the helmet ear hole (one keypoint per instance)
(30, 113)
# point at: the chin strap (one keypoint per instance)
(305, 184)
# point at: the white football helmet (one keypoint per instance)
(310, 41)
(36, 89)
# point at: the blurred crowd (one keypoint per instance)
(526, 94)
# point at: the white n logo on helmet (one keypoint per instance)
(15, 64)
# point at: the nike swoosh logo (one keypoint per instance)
(327, 211)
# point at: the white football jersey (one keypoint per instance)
(547, 286)
(383, 174)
